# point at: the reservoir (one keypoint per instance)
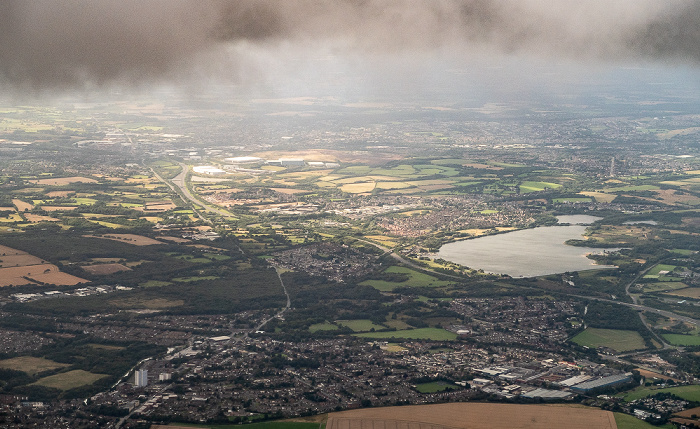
(528, 252)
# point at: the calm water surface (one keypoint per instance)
(525, 253)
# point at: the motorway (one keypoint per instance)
(179, 181)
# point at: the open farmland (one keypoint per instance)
(61, 181)
(136, 240)
(22, 206)
(687, 292)
(19, 260)
(473, 416)
(30, 274)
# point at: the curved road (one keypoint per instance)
(179, 181)
(409, 263)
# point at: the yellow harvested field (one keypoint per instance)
(358, 188)
(670, 196)
(600, 197)
(58, 208)
(472, 415)
(330, 177)
(4, 250)
(160, 207)
(355, 180)
(137, 240)
(392, 185)
(30, 274)
(54, 194)
(21, 205)
(689, 292)
(33, 218)
(59, 181)
(20, 260)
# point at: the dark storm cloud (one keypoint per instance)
(46, 44)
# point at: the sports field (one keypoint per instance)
(615, 339)
(30, 365)
(69, 380)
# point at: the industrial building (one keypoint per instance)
(244, 160)
(612, 380)
(287, 162)
(208, 169)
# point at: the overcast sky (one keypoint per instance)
(335, 47)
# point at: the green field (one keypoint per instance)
(689, 393)
(360, 325)
(325, 326)
(154, 283)
(662, 286)
(30, 365)
(531, 186)
(615, 339)
(434, 334)
(626, 421)
(435, 386)
(69, 380)
(654, 272)
(682, 340)
(194, 278)
(415, 279)
(684, 252)
(632, 188)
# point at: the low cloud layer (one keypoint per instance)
(77, 44)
